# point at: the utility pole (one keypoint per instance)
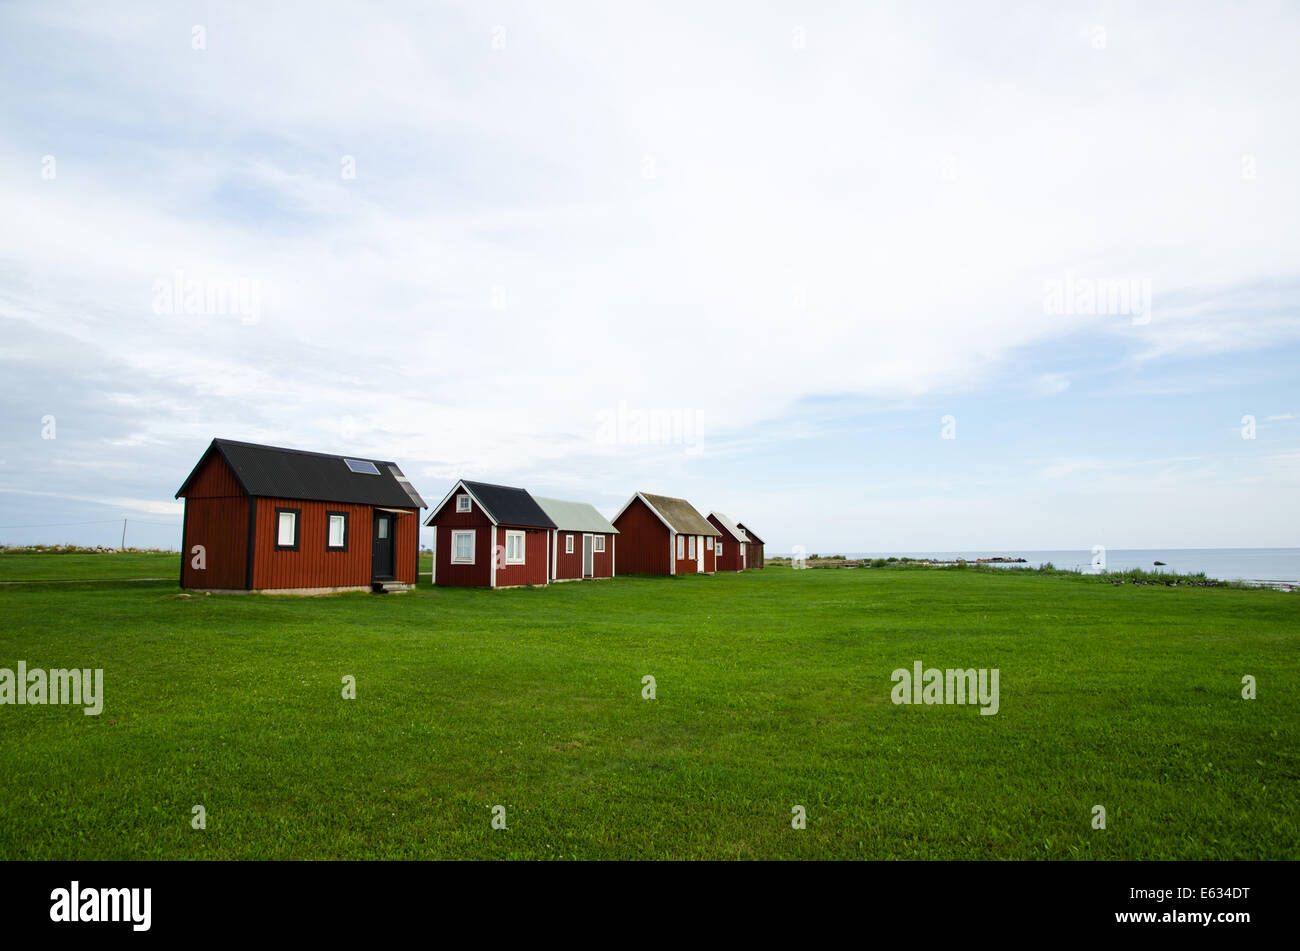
(123, 534)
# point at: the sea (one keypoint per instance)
(1277, 567)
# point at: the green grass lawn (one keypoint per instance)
(773, 690)
(30, 566)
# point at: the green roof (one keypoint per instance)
(575, 516)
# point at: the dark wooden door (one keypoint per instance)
(382, 551)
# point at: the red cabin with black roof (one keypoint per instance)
(490, 536)
(263, 518)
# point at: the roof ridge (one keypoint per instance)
(302, 452)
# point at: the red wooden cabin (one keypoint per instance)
(660, 535)
(754, 548)
(261, 518)
(731, 549)
(490, 536)
(582, 544)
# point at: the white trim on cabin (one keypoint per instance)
(647, 505)
(460, 484)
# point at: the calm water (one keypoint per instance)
(1271, 565)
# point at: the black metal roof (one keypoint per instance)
(508, 505)
(268, 471)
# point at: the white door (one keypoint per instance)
(587, 569)
(699, 555)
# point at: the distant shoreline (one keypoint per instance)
(1277, 568)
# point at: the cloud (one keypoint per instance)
(665, 206)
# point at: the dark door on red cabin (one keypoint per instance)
(381, 559)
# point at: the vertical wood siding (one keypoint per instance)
(216, 517)
(220, 525)
(570, 566)
(730, 560)
(313, 565)
(686, 564)
(642, 542)
(477, 575)
(535, 569)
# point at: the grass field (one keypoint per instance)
(773, 689)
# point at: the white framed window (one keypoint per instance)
(717, 552)
(286, 529)
(463, 504)
(599, 543)
(462, 548)
(338, 531)
(681, 547)
(708, 542)
(514, 548)
(692, 552)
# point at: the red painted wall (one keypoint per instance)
(216, 517)
(535, 569)
(686, 565)
(312, 565)
(731, 559)
(642, 547)
(221, 527)
(570, 566)
(477, 575)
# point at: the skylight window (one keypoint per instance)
(363, 466)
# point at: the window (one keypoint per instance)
(681, 547)
(462, 548)
(514, 548)
(708, 543)
(599, 543)
(568, 544)
(337, 537)
(717, 552)
(286, 529)
(463, 504)
(362, 466)
(692, 554)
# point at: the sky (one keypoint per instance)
(865, 277)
